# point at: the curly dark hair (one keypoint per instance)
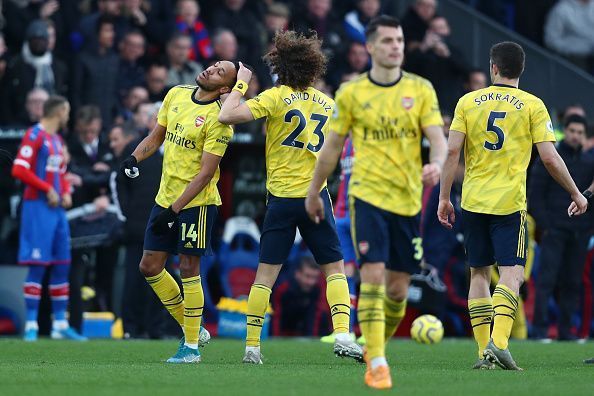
(297, 59)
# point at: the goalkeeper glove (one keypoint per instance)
(128, 167)
(588, 195)
(164, 222)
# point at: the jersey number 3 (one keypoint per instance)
(491, 127)
(292, 141)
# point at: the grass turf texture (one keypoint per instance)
(292, 367)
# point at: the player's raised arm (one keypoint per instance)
(558, 170)
(325, 165)
(445, 210)
(437, 154)
(233, 111)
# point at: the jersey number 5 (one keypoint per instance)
(491, 127)
(291, 140)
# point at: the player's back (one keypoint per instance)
(296, 125)
(501, 124)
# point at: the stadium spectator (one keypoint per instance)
(224, 45)
(187, 21)
(416, 22)
(86, 38)
(568, 31)
(95, 79)
(35, 66)
(145, 117)
(297, 302)
(156, 82)
(20, 14)
(250, 34)
(276, 19)
(317, 18)
(356, 20)
(134, 97)
(142, 312)
(475, 79)
(440, 62)
(565, 239)
(159, 20)
(36, 98)
(182, 70)
(357, 61)
(131, 71)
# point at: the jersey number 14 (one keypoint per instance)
(291, 140)
(491, 127)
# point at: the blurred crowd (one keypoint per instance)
(116, 59)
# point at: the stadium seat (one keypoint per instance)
(238, 256)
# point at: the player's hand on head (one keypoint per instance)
(53, 199)
(129, 168)
(244, 74)
(66, 201)
(446, 214)
(431, 174)
(314, 206)
(164, 221)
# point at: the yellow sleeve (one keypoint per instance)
(341, 116)
(430, 113)
(541, 127)
(218, 138)
(162, 115)
(459, 121)
(263, 105)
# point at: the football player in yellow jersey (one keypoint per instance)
(387, 111)
(297, 118)
(497, 127)
(186, 204)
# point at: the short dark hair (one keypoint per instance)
(298, 60)
(53, 104)
(577, 119)
(509, 58)
(104, 20)
(375, 23)
(88, 113)
(127, 129)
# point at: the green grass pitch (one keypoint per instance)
(292, 367)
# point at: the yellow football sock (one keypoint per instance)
(372, 319)
(394, 311)
(167, 289)
(256, 312)
(481, 315)
(520, 329)
(339, 300)
(194, 305)
(505, 304)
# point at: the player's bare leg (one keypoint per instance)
(372, 322)
(397, 283)
(337, 294)
(480, 308)
(258, 302)
(505, 305)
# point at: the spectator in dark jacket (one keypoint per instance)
(416, 22)
(356, 20)
(142, 312)
(95, 79)
(439, 62)
(131, 71)
(156, 82)
(34, 67)
(565, 239)
(86, 38)
(182, 70)
(297, 303)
